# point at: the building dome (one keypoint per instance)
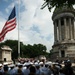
(64, 11)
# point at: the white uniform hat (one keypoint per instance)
(36, 64)
(5, 63)
(0, 64)
(40, 63)
(26, 64)
(12, 65)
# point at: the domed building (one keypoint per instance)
(64, 33)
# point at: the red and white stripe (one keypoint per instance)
(9, 25)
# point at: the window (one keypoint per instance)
(62, 53)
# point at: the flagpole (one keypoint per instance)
(18, 29)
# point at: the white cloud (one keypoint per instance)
(31, 16)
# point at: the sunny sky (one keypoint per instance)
(35, 25)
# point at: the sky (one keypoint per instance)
(35, 25)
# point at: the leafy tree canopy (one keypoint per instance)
(57, 3)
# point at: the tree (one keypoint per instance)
(35, 50)
(29, 51)
(57, 3)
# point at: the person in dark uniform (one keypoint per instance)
(5, 68)
(68, 70)
(32, 70)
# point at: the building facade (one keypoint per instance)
(64, 32)
(5, 54)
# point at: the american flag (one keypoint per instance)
(9, 25)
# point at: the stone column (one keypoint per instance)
(59, 28)
(70, 28)
(73, 30)
(55, 31)
(68, 34)
(65, 28)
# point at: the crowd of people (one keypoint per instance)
(37, 68)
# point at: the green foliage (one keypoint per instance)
(57, 3)
(30, 51)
